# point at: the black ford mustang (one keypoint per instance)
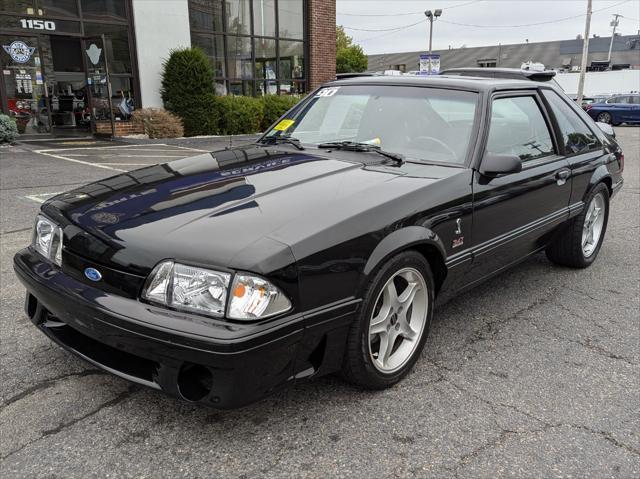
(324, 246)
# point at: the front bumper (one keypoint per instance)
(197, 359)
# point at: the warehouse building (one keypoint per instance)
(563, 55)
(73, 65)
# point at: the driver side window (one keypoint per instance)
(518, 128)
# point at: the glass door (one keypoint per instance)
(24, 85)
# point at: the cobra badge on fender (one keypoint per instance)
(93, 274)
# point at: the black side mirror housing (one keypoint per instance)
(495, 165)
(606, 129)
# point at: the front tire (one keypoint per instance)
(577, 244)
(604, 117)
(389, 334)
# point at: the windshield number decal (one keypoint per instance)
(327, 92)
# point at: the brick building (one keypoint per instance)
(56, 55)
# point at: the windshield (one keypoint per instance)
(430, 124)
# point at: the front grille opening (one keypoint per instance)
(194, 382)
(103, 354)
(31, 305)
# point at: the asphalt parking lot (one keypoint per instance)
(533, 374)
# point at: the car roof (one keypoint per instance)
(439, 81)
(511, 73)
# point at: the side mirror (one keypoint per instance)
(496, 165)
(606, 128)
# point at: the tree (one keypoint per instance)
(349, 57)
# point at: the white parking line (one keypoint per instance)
(96, 165)
(42, 197)
(55, 153)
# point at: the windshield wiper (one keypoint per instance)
(274, 140)
(358, 146)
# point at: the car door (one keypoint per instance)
(514, 213)
(633, 109)
(579, 143)
(617, 106)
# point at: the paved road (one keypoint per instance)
(534, 374)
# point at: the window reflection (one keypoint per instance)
(59, 7)
(264, 18)
(103, 9)
(205, 15)
(290, 19)
(239, 57)
(260, 42)
(238, 17)
(213, 46)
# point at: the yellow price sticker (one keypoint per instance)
(284, 125)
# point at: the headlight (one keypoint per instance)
(201, 290)
(47, 239)
(188, 288)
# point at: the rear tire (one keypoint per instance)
(578, 243)
(604, 117)
(389, 334)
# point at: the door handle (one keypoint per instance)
(562, 176)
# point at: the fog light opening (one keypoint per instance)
(194, 382)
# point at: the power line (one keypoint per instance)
(402, 27)
(532, 24)
(403, 14)
(383, 29)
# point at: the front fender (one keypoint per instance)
(400, 240)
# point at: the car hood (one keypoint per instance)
(243, 208)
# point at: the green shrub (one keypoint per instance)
(158, 123)
(187, 89)
(240, 114)
(275, 106)
(8, 129)
(201, 115)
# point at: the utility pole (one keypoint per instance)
(585, 53)
(614, 24)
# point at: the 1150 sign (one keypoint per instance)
(38, 24)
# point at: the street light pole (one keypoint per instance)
(585, 53)
(431, 16)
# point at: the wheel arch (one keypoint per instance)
(423, 240)
(600, 175)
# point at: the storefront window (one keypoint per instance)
(266, 58)
(264, 44)
(264, 18)
(239, 57)
(117, 45)
(213, 46)
(238, 17)
(24, 84)
(205, 15)
(103, 9)
(290, 19)
(17, 6)
(65, 8)
(291, 59)
(241, 88)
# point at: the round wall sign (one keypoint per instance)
(19, 51)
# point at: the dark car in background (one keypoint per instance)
(616, 109)
(324, 246)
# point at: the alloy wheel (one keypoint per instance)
(593, 225)
(604, 117)
(398, 320)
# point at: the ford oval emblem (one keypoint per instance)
(93, 274)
